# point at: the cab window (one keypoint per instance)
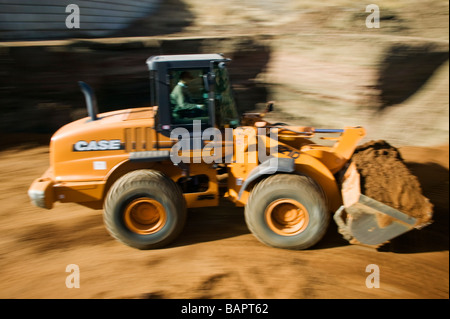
(188, 97)
(226, 112)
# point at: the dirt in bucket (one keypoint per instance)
(386, 178)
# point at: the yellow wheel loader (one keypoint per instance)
(146, 166)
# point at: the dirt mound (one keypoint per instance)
(386, 178)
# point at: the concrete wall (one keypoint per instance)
(46, 19)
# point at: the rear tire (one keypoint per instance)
(287, 211)
(144, 209)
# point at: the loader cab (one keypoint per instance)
(193, 88)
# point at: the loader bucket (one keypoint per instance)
(360, 217)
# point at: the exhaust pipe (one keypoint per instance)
(91, 102)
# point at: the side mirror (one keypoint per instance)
(221, 65)
(269, 106)
(206, 82)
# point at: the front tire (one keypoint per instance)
(144, 209)
(287, 211)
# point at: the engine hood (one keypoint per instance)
(106, 121)
(109, 138)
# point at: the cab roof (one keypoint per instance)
(183, 59)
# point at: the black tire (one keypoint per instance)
(284, 194)
(147, 188)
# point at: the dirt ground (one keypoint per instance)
(333, 60)
(216, 256)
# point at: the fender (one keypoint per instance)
(269, 167)
(305, 164)
(319, 172)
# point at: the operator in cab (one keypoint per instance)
(180, 98)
